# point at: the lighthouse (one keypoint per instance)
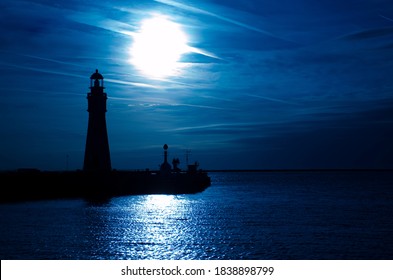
(97, 155)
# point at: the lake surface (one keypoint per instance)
(242, 216)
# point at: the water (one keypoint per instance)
(298, 215)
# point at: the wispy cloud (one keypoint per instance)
(97, 19)
(387, 18)
(42, 58)
(369, 33)
(42, 70)
(136, 84)
(215, 15)
(273, 99)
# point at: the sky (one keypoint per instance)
(234, 84)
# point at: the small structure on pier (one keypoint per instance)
(165, 167)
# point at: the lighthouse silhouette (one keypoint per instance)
(97, 155)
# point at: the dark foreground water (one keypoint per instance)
(301, 215)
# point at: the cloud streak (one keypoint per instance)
(215, 15)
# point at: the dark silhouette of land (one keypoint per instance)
(25, 185)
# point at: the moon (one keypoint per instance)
(158, 46)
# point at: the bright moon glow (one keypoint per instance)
(158, 46)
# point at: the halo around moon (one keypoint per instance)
(158, 46)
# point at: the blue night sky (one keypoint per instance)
(253, 84)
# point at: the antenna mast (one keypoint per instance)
(188, 152)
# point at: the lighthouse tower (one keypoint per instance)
(97, 156)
